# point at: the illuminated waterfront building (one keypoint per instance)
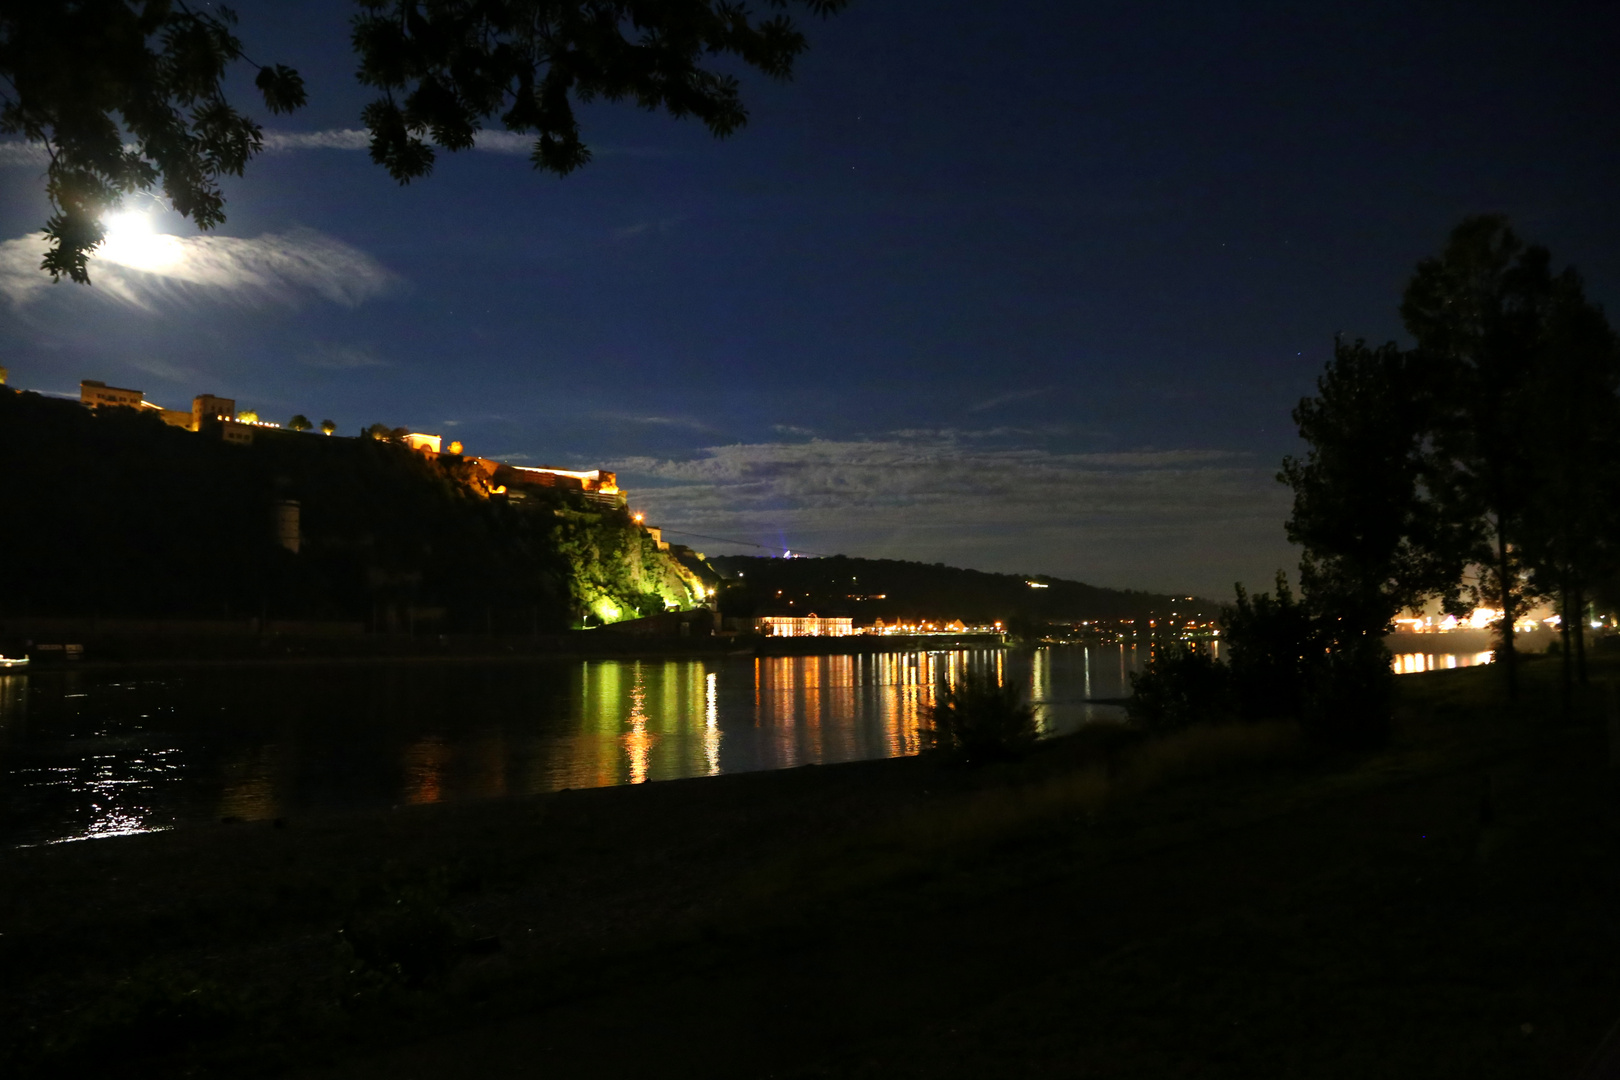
(810, 625)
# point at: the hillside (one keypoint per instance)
(889, 589)
(115, 514)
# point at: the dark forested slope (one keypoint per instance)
(889, 589)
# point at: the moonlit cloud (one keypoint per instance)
(932, 496)
(165, 370)
(15, 153)
(276, 267)
(335, 139)
(494, 142)
(504, 142)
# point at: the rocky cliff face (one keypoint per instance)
(615, 571)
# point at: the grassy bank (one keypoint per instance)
(1225, 902)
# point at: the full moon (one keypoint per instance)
(133, 241)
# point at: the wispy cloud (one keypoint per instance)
(1008, 398)
(276, 267)
(333, 139)
(513, 143)
(659, 421)
(793, 429)
(15, 153)
(341, 357)
(504, 142)
(929, 494)
(167, 371)
(663, 225)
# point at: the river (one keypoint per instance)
(91, 753)
(95, 753)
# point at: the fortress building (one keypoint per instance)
(95, 394)
(208, 407)
(217, 415)
(598, 485)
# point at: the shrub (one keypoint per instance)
(1349, 698)
(410, 939)
(1270, 640)
(1181, 685)
(1286, 661)
(977, 719)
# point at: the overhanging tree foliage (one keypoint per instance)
(126, 95)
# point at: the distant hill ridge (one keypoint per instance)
(891, 589)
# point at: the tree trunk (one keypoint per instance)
(1580, 633)
(1566, 661)
(1505, 581)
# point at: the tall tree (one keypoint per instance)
(1573, 430)
(1478, 313)
(1381, 527)
(127, 95)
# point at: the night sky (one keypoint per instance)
(1019, 287)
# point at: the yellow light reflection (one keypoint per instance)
(637, 742)
(425, 762)
(1416, 663)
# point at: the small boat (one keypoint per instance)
(8, 662)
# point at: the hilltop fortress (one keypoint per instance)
(217, 415)
(210, 513)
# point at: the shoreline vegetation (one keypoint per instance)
(1224, 900)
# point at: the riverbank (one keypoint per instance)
(1224, 903)
(60, 643)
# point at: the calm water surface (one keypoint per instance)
(104, 753)
(94, 754)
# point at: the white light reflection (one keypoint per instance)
(711, 722)
(118, 792)
(1415, 663)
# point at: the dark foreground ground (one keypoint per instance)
(1225, 903)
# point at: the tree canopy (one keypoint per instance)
(126, 96)
(1490, 445)
(1380, 530)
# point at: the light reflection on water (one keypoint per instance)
(88, 754)
(1413, 663)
